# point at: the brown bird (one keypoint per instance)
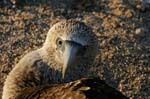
(50, 72)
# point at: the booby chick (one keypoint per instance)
(57, 70)
(67, 54)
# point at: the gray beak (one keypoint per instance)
(70, 55)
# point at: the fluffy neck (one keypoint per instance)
(48, 56)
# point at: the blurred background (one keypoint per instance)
(122, 26)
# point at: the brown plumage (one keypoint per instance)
(67, 55)
(85, 88)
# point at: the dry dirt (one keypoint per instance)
(123, 29)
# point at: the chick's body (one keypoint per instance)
(67, 55)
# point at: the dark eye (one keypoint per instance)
(59, 42)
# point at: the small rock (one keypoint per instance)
(138, 31)
(128, 14)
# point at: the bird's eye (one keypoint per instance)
(59, 42)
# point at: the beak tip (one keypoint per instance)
(63, 76)
(63, 72)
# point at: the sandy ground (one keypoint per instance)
(123, 29)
